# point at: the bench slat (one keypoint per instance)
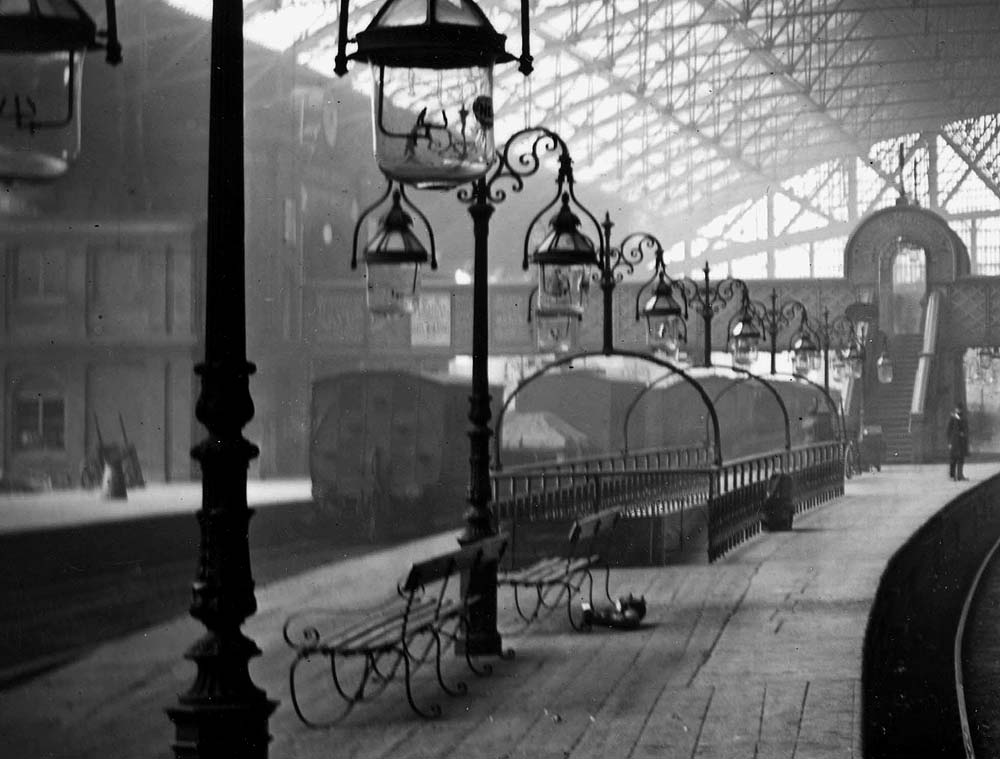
(461, 560)
(390, 618)
(549, 571)
(388, 636)
(525, 574)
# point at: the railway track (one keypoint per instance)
(977, 661)
(53, 610)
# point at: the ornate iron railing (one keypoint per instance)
(660, 482)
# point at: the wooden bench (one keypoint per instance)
(566, 571)
(404, 633)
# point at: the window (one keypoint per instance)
(41, 274)
(39, 423)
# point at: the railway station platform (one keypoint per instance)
(52, 509)
(755, 655)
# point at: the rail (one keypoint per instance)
(911, 706)
(660, 482)
(644, 458)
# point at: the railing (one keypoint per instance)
(817, 472)
(740, 489)
(540, 496)
(660, 482)
(921, 381)
(645, 458)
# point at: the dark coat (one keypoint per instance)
(958, 434)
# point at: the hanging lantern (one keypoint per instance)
(562, 259)
(986, 356)
(431, 63)
(666, 328)
(857, 365)
(555, 332)
(805, 354)
(392, 264)
(884, 367)
(42, 48)
(744, 339)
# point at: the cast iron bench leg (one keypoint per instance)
(460, 688)
(435, 709)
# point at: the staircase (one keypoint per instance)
(889, 405)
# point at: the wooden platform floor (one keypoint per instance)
(757, 655)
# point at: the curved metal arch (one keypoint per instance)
(777, 396)
(635, 402)
(498, 431)
(781, 403)
(829, 402)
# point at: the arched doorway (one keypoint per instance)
(902, 287)
(907, 258)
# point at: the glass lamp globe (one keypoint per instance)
(857, 367)
(555, 331)
(42, 48)
(431, 63)
(986, 357)
(392, 264)
(805, 355)
(884, 367)
(666, 329)
(563, 258)
(744, 341)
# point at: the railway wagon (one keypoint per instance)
(389, 451)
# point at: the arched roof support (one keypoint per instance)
(749, 375)
(562, 361)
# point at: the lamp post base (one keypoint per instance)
(223, 714)
(481, 636)
(221, 730)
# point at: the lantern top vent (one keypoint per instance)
(28, 26)
(432, 34)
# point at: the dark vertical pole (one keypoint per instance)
(826, 349)
(607, 288)
(773, 325)
(224, 714)
(826, 365)
(706, 314)
(482, 637)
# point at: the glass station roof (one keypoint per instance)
(705, 113)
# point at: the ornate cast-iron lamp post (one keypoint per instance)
(756, 319)
(709, 299)
(664, 315)
(434, 61)
(223, 714)
(564, 239)
(560, 257)
(839, 335)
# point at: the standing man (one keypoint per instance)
(958, 442)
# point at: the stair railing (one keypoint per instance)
(921, 432)
(921, 381)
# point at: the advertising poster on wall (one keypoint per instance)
(430, 322)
